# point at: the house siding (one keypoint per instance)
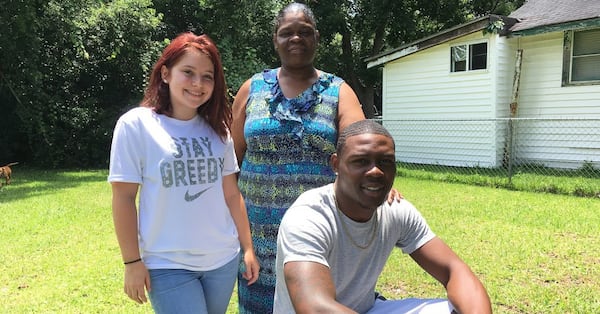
(556, 130)
(439, 117)
(541, 92)
(461, 119)
(462, 95)
(504, 68)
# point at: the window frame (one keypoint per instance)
(468, 66)
(567, 73)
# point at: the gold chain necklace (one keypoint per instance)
(375, 225)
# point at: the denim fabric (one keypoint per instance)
(412, 305)
(183, 291)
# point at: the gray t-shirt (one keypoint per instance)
(311, 230)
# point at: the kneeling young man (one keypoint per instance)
(334, 241)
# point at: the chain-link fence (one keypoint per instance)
(550, 155)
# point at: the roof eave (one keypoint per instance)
(573, 25)
(438, 38)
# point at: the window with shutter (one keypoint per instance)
(582, 57)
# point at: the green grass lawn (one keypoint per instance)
(535, 253)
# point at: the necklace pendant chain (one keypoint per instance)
(374, 227)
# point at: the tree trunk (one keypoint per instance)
(364, 91)
(367, 99)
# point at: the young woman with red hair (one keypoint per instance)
(184, 241)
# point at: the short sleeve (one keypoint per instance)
(415, 231)
(304, 235)
(125, 152)
(230, 164)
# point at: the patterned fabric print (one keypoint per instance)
(289, 142)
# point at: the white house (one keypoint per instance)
(447, 98)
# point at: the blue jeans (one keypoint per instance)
(183, 291)
(412, 305)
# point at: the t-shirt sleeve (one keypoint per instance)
(415, 231)
(230, 164)
(304, 235)
(125, 153)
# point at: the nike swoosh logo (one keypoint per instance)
(189, 198)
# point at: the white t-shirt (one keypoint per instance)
(311, 231)
(184, 222)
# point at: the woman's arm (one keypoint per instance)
(237, 208)
(349, 111)
(125, 220)
(239, 119)
(349, 108)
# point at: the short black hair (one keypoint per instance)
(361, 127)
(294, 7)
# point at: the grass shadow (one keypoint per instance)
(30, 182)
(581, 182)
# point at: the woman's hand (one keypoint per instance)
(252, 267)
(137, 281)
(394, 195)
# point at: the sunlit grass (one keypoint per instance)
(535, 252)
(583, 182)
(59, 252)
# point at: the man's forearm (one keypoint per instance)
(467, 293)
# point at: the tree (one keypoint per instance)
(17, 18)
(115, 51)
(68, 66)
(68, 69)
(500, 7)
(352, 30)
(240, 28)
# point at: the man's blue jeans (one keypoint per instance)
(182, 291)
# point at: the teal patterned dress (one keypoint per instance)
(289, 142)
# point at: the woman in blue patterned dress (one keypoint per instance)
(285, 127)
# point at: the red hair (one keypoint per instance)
(217, 110)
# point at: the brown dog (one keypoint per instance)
(6, 172)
